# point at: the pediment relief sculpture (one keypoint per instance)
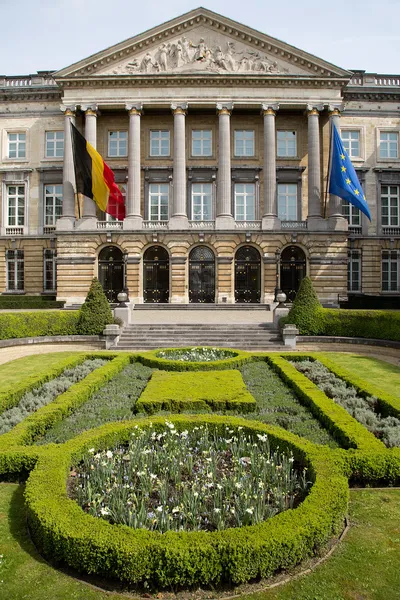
(187, 56)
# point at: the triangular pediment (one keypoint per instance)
(201, 42)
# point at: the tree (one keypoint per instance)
(305, 312)
(95, 312)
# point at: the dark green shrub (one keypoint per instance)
(374, 324)
(36, 324)
(95, 312)
(10, 302)
(305, 310)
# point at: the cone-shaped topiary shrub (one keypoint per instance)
(95, 312)
(306, 310)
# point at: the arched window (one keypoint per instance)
(156, 275)
(202, 275)
(293, 269)
(111, 271)
(247, 275)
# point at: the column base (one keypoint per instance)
(224, 222)
(132, 223)
(337, 223)
(270, 222)
(65, 224)
(178, 223)
(87, 224)
(317, 224)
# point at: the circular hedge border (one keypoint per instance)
(65, 534)
(150, 359)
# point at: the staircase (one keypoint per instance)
(250, 336)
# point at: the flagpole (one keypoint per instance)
(329, 164)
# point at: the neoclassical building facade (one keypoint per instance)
(219, 137)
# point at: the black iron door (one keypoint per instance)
(293, 269)
(156, 275)
(111, 272)
(202, 275)
(247, 275)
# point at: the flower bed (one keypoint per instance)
(198, 354)
(189, 480)
(163, 359)
(66, 534)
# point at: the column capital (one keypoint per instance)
(179, 108)
(90, 109)
(134, 109)
(269, 109)
(224, 108)
(334, 111)
(314, 110)
(69, 111)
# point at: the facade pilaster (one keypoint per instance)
(179, 219)
(89, 206)
(336, 221)
(270, 217)
(224, 218)
(133, 219)
(67, 220)
(314, 219)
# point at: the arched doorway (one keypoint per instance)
(247, 275)
(201, 275)
(111, 272)
(156, 275)
(293, 269)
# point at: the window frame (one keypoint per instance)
(351, 213)
(7, 204)
(360, 132)
(17, 261)
(296, 186)
(245, 194)
(388, 130)
(236, 132)
(286, 155)
(159, 204)
(46, 141)
(119, 141)
(50, 260)
(53, 215)
(201, 140)
(202, 194)
(159, 154)
(354, 258)
(389, 206)
(16, 132)
(391, 257)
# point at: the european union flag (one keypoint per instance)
(343, 181)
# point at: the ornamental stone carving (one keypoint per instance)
(188, 56)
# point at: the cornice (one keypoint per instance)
(18, 94)
(378, 94)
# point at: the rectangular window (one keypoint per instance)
(201, 142)
(351, 142)
(49, 270)
(389, 144)
(202, 201)
(158, 201)
(54, 144)
(244, 142)
(245, 202)
(53, 195)
(390, 271)
(15, 270)
(351, 213)
(159, 143)
(117, 143)
(287, 201)
(17, 145)
(286, 143)
(354, 271)
(390, 205)
(15, 205)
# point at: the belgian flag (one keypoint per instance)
(94, 178)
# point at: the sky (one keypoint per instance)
(40, 35)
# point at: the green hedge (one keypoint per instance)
(37, 324)
(66, 534)
(34, 426)
(221, 390)
(150, 359)
(10, 398)
(10, 302)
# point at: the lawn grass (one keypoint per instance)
(17, 370)
(379, 373)
(363, 567)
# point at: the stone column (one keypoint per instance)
(270, 216)
(315, 220)
(89, 206)
(336, 221)
(224, 218)
(178, 218)
(133, 219)
(68, 205)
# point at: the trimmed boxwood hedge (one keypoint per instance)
(217, 390)
(150, 359)
(37, 324)
(65, 534)
(9, 302)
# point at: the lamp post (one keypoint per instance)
(277, 262)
